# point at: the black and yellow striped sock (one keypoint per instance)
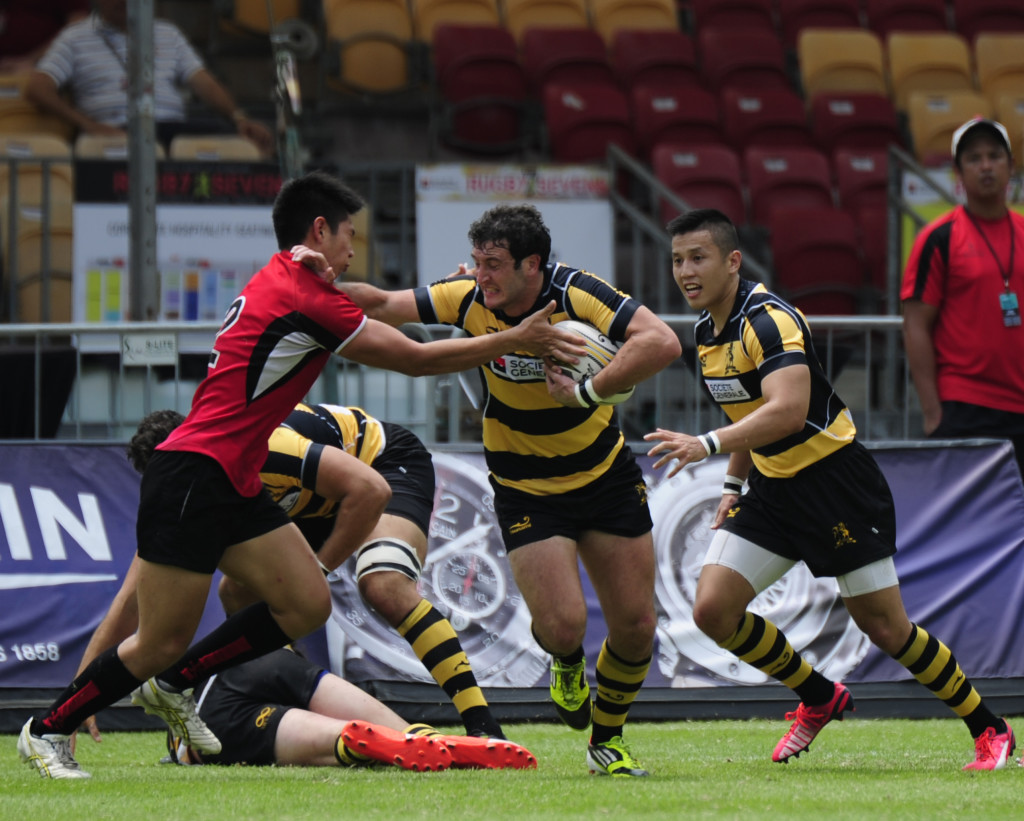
(347, 757)
(933, 664)
(761, 644)
(435, 643)
(618, 682)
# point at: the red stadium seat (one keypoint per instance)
(766, 117)
(862, 178)
(582, 120)
(886, 16)
(685, 115)
(854, 120)
(786, 176)
(873, 238)
(654, 57)
(744, 58)
(817, 261)
(564, 55)
(705, 176)
(797, 15)
(732, 14)
(482, 89)
(972, 17)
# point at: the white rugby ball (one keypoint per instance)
(600, 350)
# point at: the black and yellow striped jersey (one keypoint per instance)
(764, 333)
(533, 443)
(289, 473)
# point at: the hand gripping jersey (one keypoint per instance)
(270, 350)
(764, 334)
(533, 443)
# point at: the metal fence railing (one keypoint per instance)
(76, 382)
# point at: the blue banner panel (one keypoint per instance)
(68, 536)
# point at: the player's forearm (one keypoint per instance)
(374, 302)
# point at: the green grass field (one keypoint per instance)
(859, 769)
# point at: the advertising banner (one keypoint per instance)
(68, 536)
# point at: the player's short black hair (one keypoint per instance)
(721, 228)
(152, 430)
(301, 200)
(518, 228)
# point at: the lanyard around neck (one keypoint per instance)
(1005, 273)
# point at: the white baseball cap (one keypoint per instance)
(998, 129)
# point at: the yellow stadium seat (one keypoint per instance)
(609, 16)
(927, 61)
(426, 14)
(19, 116)
(44, 290)
(523, 14)
(252, 15)
(96, 147)
(41, 164)
(1000, 62)
(214, 147)
(844, 60)
(1009, 110)
(933, 116)
(374, 38)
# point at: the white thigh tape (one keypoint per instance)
(388, 555)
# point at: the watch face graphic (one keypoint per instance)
(466, 576)
(808, 610)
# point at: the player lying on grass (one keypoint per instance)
(283, 709)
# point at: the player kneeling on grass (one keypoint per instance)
(815, 495)
(283, 709)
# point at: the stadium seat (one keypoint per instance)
(657, 57)
(40, 165)
(887, 16)
(19, 116)
(583, 120)
(96, 147)
(818, 267)
(862, 178)
(786, 176)
(564, 55)
(482, 88)
(375, 43)
(42, 266)
(732, 15)
(933, 117)
(705, 176)
(972, 17)
(427, 14)
(840, 60)
(765, 117)
(522, 14)
(744, 58)
(854, 120)
(1000, 62)
(873, 238)
(610, 16)
(797, 15)
(1009, 110)
(213, 148)
(927, 61)
(688, 114)
(253, 16)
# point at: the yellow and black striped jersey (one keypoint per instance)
(764, 333)
(533, 443)
(289, 473)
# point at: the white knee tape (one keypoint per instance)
(388, 555)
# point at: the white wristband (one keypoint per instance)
(586, 395)
(733, 485)
(710, 442)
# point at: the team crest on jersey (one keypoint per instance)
(519, 368)
(727, 390)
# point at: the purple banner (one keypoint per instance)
(68, 536)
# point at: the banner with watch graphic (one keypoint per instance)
(68, 529)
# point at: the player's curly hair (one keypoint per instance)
(152, 430)
(518, 228)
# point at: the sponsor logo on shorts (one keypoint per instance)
(841, 535)
(264, 717)
(519, 527)
(641, 491)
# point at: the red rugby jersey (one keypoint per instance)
(274, 342)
